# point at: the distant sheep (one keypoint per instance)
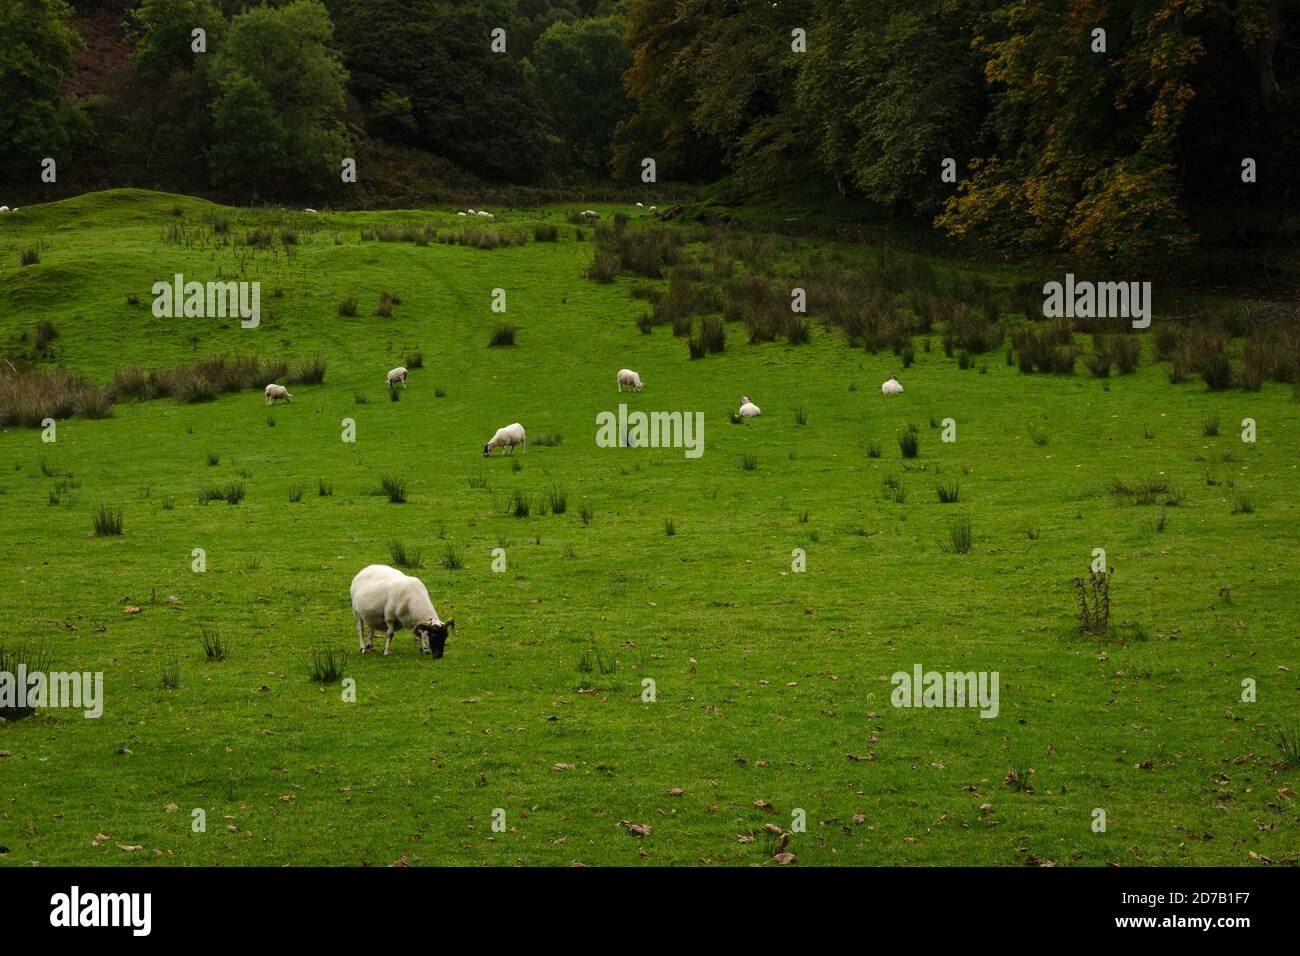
(652, 208)
(471, 212)
(309, 210)
(385, 597)
(748, 409)
(891, 387)
(640, 206)
(483, 212)
(397, 375)
(507, 437)
(275, 393)
(589, 215)
(4, 208)
(460, 214)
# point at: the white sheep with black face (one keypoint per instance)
(507, 437)
(277, 393)
(891, 386)
(748, 409)
(384, 597)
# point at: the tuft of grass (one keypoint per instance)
(213, 645)
(324, 488)
(233, 493)
(559, 499)
(327, 664)
(384, 304)
(585, 512)
(270, 420)
(948, 490)
(1286, 738)
(214, 459)
(453, 559)
(480, 480)
(108, 521)
(405, 555)
(1243, 503)
(29, 257)
(909, 442)
(1094, 602)
(394, 488)
(547, 439)
(295, 494)
(749, 461)
(348, 308)
(670, 527)
(1210, 426)
(800, 416)
(503, 335)
(170, 671)
(33, 658)
(873, 449)
(1039, 436)
(959, 535)
(521, 504)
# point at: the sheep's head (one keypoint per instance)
(487, 449)
(433, 635)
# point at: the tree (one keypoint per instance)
(280, 90)
(425, 72)
(164, 34)
(36, 48)
(580, 69)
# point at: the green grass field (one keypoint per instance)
(772, 688)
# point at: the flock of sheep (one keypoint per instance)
(384, 597)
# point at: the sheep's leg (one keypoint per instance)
(361, 633)
(370, 644)
(525, 446)
(620, 388)
(388, 644)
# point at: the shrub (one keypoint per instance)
(1094, 602)
(546, 233)
(309, 373)
(348, 308)
(384, 304)
(713, 335)
(29, 257)
(107, 520)
(415, 360)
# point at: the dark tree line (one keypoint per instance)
(1112, 129)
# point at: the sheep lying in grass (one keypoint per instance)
(748, 409)
(489, 215)
(629, 378)
(275, 393)
(309, 210)
(397, 375)
(507, 437)
(4, 208)
(385, 597)
(460, 214)
(891, 387)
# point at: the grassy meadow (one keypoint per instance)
(772, 688)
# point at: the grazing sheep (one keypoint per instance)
(460, 214)
(484, 212)
(891, 387)
(507, 437)
(275, 393)
(589, 215)
(471, 212)
(4, 208)
(652, 208)
(748, 409)
(639, 206)
(397, 375)
(385, 597)
(629, 378)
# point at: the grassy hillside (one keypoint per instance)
(773, 688)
